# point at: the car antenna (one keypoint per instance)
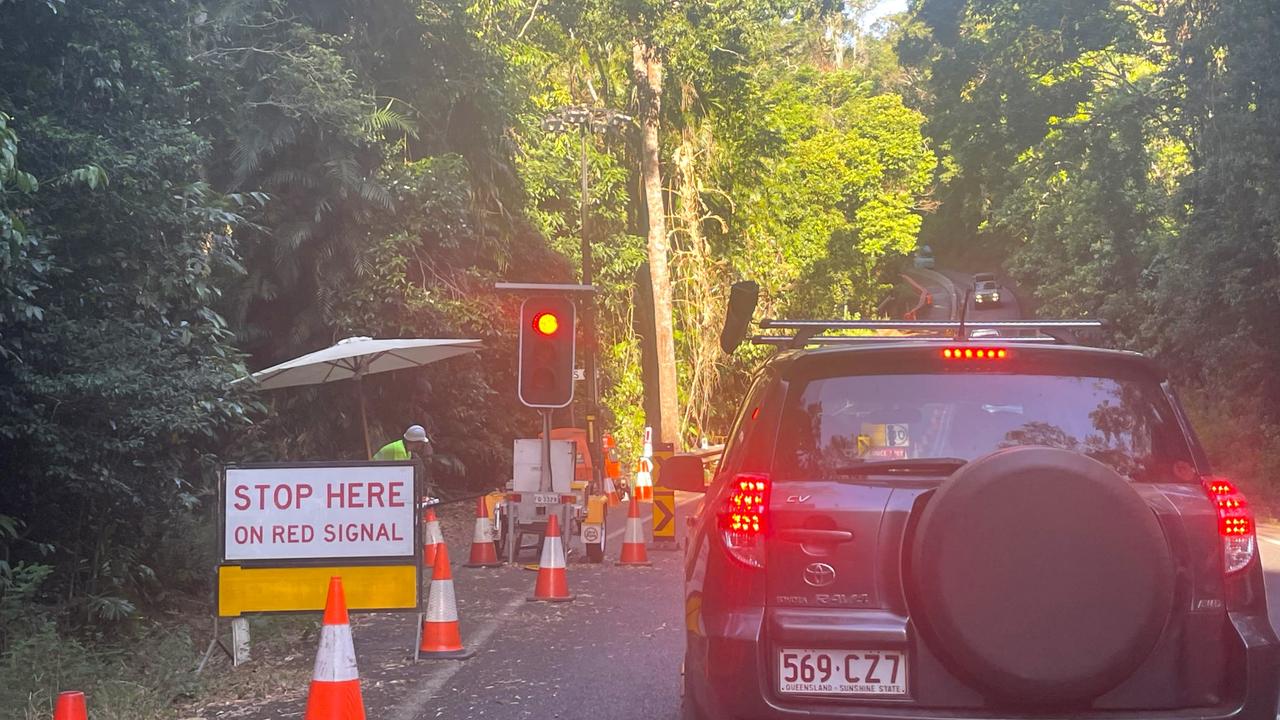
(962, 333)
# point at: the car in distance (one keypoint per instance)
(986, 290)
(970, 529)
(924, 257)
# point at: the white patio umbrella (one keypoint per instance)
(356, 357)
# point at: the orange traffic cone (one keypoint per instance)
(553, 582)
(440, 635)
(642, 488)
(611, 491)
(483, 552)
(432, 538)
(70, 706)
(633, 550)
(335, 684)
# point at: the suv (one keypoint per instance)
(986, 290)
(933, 529)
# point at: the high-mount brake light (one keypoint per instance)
(975, 353)
(1235, 523)
(743, 518)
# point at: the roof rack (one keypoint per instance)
(807, 332)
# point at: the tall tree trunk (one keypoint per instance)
(647, 69)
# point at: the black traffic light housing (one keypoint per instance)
(737, 320)
(547, 334)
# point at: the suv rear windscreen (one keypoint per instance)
(835, 423)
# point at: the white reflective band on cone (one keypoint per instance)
(483, 532)
(434, 535)
(552, 554)
(336, 659)
(635, 533)
(441, 605)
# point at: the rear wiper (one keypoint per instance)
(912, 466)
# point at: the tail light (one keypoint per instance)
(1235, 523)
(744, 518)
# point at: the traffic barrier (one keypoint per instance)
(553, 582)
(484, 553)
(70, 706)
(440, 636)
(335, 683)
(432, 538)
(633, 550)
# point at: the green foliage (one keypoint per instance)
(1122, 159)
(141, 682)
(116, 394)
(837, 197)
(24, 263)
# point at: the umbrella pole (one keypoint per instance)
(364, 417)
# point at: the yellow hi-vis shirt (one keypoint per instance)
(392, 451)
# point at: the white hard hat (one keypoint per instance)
(415, 433)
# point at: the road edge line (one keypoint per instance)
(411, 708)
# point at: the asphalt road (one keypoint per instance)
(941, 289)
(614, 652)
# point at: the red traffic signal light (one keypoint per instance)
(546, 323)
(545, 377)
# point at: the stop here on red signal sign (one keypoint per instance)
(315, 512)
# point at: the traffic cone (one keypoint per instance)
(440, 636)
(553, 582)
(633, 550)
(70, 706)
(642, 489)
(611, 491)
(335, 684)
(432, 538)
(484, 553)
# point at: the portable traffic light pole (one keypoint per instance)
(588, 121)
(545, 360)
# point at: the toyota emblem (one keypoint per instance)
(819, 575)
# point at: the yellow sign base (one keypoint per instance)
(292, 589)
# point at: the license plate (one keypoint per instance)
(546, 499)
(842, 672)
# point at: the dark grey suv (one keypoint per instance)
(970, 529)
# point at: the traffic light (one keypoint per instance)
(546, 352)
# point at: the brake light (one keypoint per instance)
(744, 518)
(975, 353)
(1235, 523)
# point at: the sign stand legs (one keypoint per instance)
(417, 642)
(239, 641)
(239, 650)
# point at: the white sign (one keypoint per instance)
(527, 466)
(579, 374)
(295, 513)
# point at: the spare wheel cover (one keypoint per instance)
(1042, 575)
